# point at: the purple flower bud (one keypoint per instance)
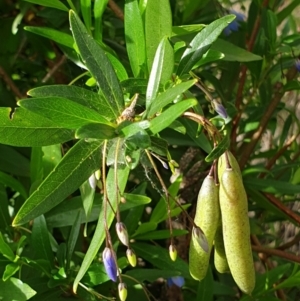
(122, 233)
(219, 108)
(122, 288)
(201, 239)
(109, 264)
(235, 24)
(176, 280)
(131, 257)
(93, 181)
(297, 64)
(173, 252)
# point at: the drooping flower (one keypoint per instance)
(110, 264)
(122, 233)
(122, 288)
(201, 239)
(176, 280)
(131, 257)
(235, 24)
(219, 108)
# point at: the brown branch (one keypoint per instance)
(275, 252)
(54, 69)
(116, 9)
(290, 243)
(265, 119)
(292, 215)
(10, 83)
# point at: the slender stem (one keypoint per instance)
(72, 6)
(116, 179)
(116, 9)
(10, 83)
(54, 69)
(78, 77)
(290, 243)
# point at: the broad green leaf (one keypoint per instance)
(82, 96)
(201, 43)
(168, 96)
(134, 85)
(95, 275)
(5, 249)
(208, 57)
(40, 240)
(160, 258)
(186, 29)
(5, 219)
(51, 157)
(49, 3)
(10, 270)
(117, 67)
(52, 34)
(75, 167)
(36, 166)
(15, 289)
(25, 128)
(134, 127)
(218, 150)
(99, 234)
(159, 234)
(234, 53)
(87, 194)
(161, 70)
(169, 115)
(96, 131)
(151, 275)
(13, 162)
(272, 186)
(140, 140)
(62, 111)
(14, 184)
(99, 8)
(134, 36)
(291, 281)
(145, 227)
(205, 290)
(158, 24)
(99, 65)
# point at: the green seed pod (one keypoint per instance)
(207, 217)
(236, 228)
(220, 259)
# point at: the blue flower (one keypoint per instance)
(235, 24)
(176, 280)
(110, 264)
(297, 64)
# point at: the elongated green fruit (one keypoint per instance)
(207, 217)
(220, 259)
(232, 161)
(236, 229)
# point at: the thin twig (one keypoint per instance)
(290, 243)
(54, 69)
(116, 9)
(10, 83)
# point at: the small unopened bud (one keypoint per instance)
(123, 200)
(93, 181)
(98, 174)
(109, 264)
(122, 288)
(201, 239)
(173, 252)
(297, 64)
(122, 233)
(219, 108)
(176, 280)
(131, 257)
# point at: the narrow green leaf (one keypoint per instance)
(134, 127)
(134, 85)
(160, 234)
(40, 240)
(234, 53)
(15, 289)
(134, 36)
(49, 3)
(82, 96)
(284, 13)
(160, 258)
(13, 184)
(36, 166)
(87, 194)
(5, 249)
(158, 69)
(99, 234)
(96, 131)
(151, 275)
(52, 34)
(169, 115)
(218, 150)
(5, 220)
(28, 129)
(13, 162)
(99, 65)
(158, 24)
(186, 29)
(201, 43)
(205, 290)
(75, 167)
(63, 112)
(10, 270)
(99, 8)
(144, 228)
(168, 96)
(86, 6)
(51, 157)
